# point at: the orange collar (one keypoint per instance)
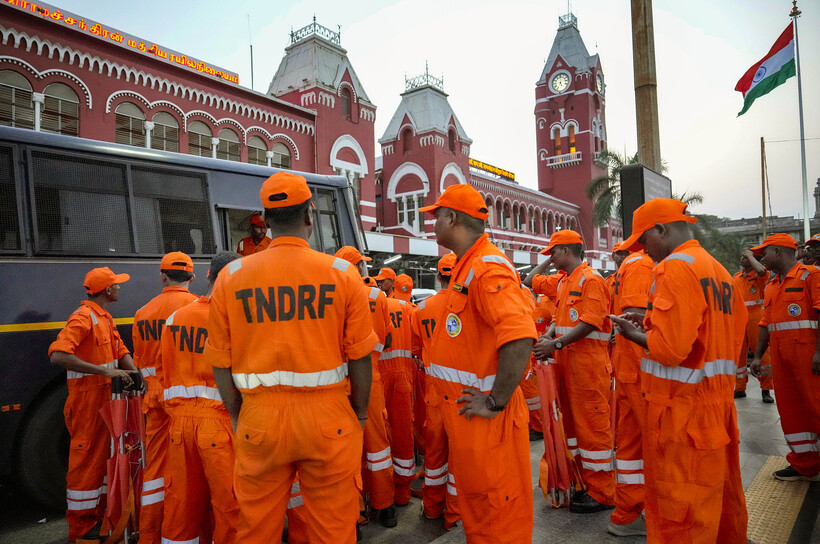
(175, 288)
(289, 241)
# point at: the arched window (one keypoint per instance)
(572, 138)
(347, 103)
(533, 225)
(228, 146)
(507, 216)
(257, 150)
(556, 135)
(199, 139)
(281, 156)
(16, 108)
(165, 134)
(407, 141)
(61, 110)
(130, 125)
(499, 215)
(451, 140)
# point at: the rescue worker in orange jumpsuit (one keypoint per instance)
(789, 329)
(750, 281)
(283, 341)
(694, 326)
(258, 240)
(377, 471)
(479, 353)
(90, 349)
(403, 288)
(385, 280)
(199, 465)
(176, 274)
(618, 257)
(541, 315)
(439, 495)
(583, 370)
(630, 295)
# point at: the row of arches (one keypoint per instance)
(56, 109)
(513, 215)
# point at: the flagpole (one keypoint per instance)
(794, 14)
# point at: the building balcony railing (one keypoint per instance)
(567, 159)
(598, 160)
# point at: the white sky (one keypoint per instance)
(491, 55)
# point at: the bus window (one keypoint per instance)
(9, 219)
(325, 236)
(238, 226)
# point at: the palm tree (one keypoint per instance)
(605, 191)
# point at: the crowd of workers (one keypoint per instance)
(302, 389)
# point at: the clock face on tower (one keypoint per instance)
(599, 81)
(560, 82)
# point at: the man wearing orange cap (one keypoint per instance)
(385, 280)
(176, 274)
(789, 330)
(258, 240)
(439, 493)
(199, 468)
(812, 250)
(695, 322)
(579, 338)
(91, 351)
(377, 473)
(283, 341)
(750, 281)
(618, 256)
(479, 353)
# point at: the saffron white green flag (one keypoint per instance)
(770, 71)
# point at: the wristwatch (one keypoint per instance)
(489, 402)
(558, 344)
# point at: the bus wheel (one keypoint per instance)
(41, 459)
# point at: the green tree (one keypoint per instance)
(605, 191)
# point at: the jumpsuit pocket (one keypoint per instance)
(214, 440)
(79, 446)
(338, 429)
(597, 415)
(101, 341)
(249, 436)
(175, 438)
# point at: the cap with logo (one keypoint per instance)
(780, 239)
(462, 198)
(99, 279)
(403, 287)
(385, 274)
(176, 260)
(649, 214)
(351, 255)
(284, 189)
(562, 238)
(815, 239)
(446, 264)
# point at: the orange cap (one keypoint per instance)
(649, 214)
(176, 260)
(562, 238)
(101, 278)
(446, 264)
(462, 198)
(781, 239)
(403, 287)
(814, 239)
(351, 255)
(284, 189)
(385, 274)
(256, 219)
(370, 282)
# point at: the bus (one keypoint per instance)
(68, 205)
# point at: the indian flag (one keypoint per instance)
(770, 71)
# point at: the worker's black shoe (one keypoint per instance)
(740, 394)
(767, 396)
(389, 517)
(535, 435)
(582, 503)
(790, 474)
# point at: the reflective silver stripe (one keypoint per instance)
(597, 467)
(451, 490)
(73, 374)
(77, 495)
(422, 304)
(407, 463)
(396, 353)
(82, 505)
(379, 455)
(170, 320)
(295, 488)
(803, 448)
(148, 371)
(594, 335)
(403, 303)
(401, 471)
(801, 437)
(374, 293)
(296, 502)
(534, 400)
(792, 325)
(629, 479)
(436, 472)
(626, 464)
(235, 265)
(169, 541)
(293, 379)
(500, 260)
(451, 478)
(470, 276)
(374, 467)
(461, 376)
(805, 275)
(151, 485)
(153, 499)
(720, 367)
(596, 455)
(241, 245)
(340, 264)
(632, 260)
(581, 282)
(379, 348)
(742, 372)
(572, 442)
(754, 302)
(652, 287)
(435, 481)
(680, 257)
(94, 319)
(192, 392)
(534, 406)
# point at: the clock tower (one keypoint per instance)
(571, 128)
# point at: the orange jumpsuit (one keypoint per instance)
(396, 369)
(199, 467)
(583, 376)
(751, 288)
(377, 470)
(246, 246)
(630, 290)
(146, 335)
(790, 314)
(285, 333)
(694, 327)
(439, 493)
(542, 315)
(610, 287)
(484, 310)
(91, 335)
